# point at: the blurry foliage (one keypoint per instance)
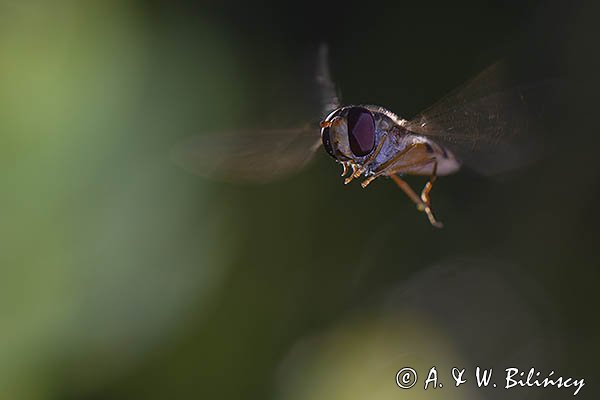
(103, 247)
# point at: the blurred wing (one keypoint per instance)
(263, 155)
(256, 156)
(329, 95)
(491, 126)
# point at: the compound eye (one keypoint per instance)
(361, 131)
(326, 139)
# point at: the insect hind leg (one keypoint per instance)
(422, 205)
(429, 185)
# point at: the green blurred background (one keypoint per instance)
(123, 276)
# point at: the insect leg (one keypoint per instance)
(421, 205)
(382, 169)
(370, 179)
(425, 192)
(345, 168)
(398, 168)
(356, 172)
(396, 158)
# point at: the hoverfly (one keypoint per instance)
(477, 125)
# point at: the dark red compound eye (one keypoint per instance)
(361, 131)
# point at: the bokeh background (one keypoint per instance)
(123, 276)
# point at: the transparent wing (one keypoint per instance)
(255, 156)
(491, 125)
(329, 94)
(263, 155)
